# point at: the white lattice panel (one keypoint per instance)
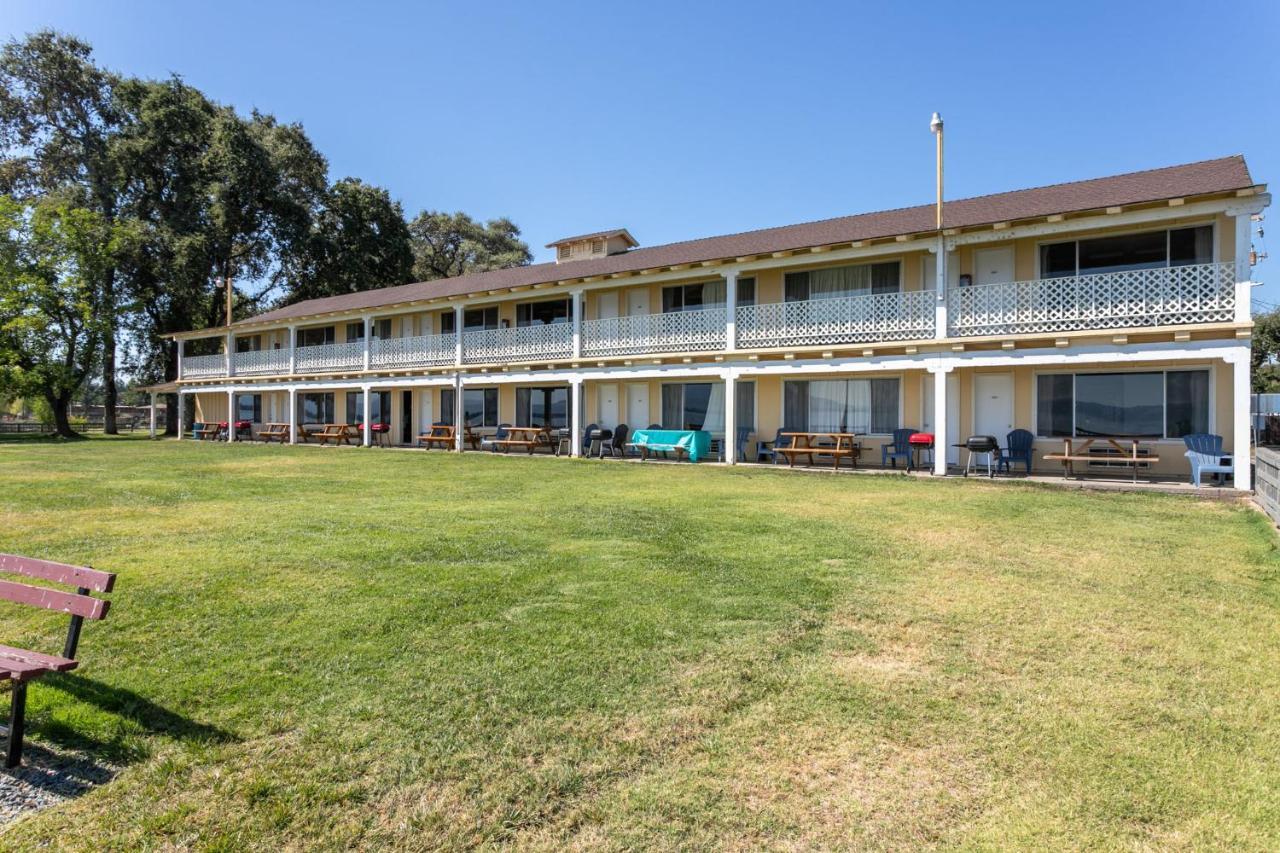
(201, 366)
(261, 362)
(680, 331)
(1170, 296)
(521, 343)
(330, 357)
(419, 351)
(852, 319)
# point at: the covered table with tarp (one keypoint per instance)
(694, 443)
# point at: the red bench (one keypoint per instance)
(21, 666)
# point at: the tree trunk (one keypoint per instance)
(109, 356)
(61, 405)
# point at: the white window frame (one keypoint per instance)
(860, 262)
(1050, 241)
(1163, 370)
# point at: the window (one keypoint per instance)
(379, 407)
(700, 405)
(315, 336)
(355, 331)
(692, 297)
(1145, 250)
(837, 282)
(1148, 404)
(316, 408)
(448, 402)
(480, 318)
(448, 323)
(563, 251)
(249, 343)
(746, 291)
(480, 406)
(542, 313)
(542, 407)
(249, 407)
(841, 405)
(597, 247)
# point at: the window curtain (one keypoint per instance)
(858, 411)
(714, 421)
(524, 417)
(745, 405)
(836, 282)
(672, 406)
(884, 405)
(827, 402)
(795, 406)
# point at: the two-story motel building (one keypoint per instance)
(1118, 305)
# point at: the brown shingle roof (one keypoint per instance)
(1209, 176)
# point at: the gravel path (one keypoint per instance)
(47, 777)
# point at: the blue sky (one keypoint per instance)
(679, 120)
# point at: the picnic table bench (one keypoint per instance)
(805, 444)
(694, 444)
(274, 432)
(21, 666)
(525, 438)
(1120, 455)
(440, 435)
(335, 433)
(207, 432)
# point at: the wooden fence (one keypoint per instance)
(1266, 483)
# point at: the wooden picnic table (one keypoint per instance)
(278, 432)
(440, 435)
(335, 433)
(526, 438)
(805, 444)
(1124, 455)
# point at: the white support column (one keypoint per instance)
(941, 441)
(153, 415)
(231, 416)
(1241, 428)
(365, 395)
(577, 303)
(293, 411)
(457, 345)
(229, 348)
(940, 297)
(575, 417)
(368, 342)
(181, 346)
(179, 417)
(459, 410)
(730, 443)
(1244, 271)
(730, 315)
(293, 350)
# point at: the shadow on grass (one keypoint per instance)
(48, 777)
(153, 719)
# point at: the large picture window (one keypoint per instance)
(542, 407)
(1145, 250)
(700, 405)
(249, 407)
(543, 313)
(316, 408)
(841, 405)
(480, 406)
(379, 407)
(316, 336)
(1148, 404)
(837, 282)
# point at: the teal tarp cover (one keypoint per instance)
(696, 442)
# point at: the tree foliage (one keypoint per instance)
(446, 245)
(1266, 352)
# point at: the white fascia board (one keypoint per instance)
(1090, 223)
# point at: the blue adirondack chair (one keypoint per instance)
(500, 435)
(740, 443)
(899, 449)
(1018, 449)
(1205, 453)
(767, 451)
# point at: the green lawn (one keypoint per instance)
(334, 648)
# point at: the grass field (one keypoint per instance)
(334, 648)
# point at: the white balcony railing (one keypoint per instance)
(261, 362)
(522, 343)
(678, 331)
(328, 357)
(904, 316)
(203, 366)
(419, 351)
(1168, 296)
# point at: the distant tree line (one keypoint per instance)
(126, 205)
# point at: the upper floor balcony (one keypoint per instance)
(1164, 296)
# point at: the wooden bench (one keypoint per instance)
(208, 432)
(20, 666)
(335, 433)
(275, 432)
(1118, 455)
(803, 444)
(441, 435)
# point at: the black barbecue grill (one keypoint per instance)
(978, 445)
